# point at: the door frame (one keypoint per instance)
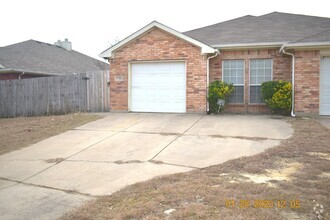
(320, 95)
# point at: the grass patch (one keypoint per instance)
(16, 133)
(296, 173)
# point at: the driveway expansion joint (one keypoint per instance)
(15, 183)
(147, 132)
(237, 137)
(158, 162)
(194, 124)
(179, 135)
(82, 150)
(46, 187)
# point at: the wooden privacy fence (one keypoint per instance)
(55, 95)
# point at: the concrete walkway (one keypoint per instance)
(49, 178)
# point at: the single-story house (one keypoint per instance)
(158, 69)
(36, 59)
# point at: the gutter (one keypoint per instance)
(217, 52)
(308, 45)
(249, 45)
(20, 71)
(282, 50)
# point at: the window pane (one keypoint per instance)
(233, 71)
(255, 95)
(238, 95)
(260, 71)
(240, 64)
(253, 64)
(232, 79)
(240, 80)
(226, 79)
(268, 63)
(253, 72)
(268, 74)
(253, 80)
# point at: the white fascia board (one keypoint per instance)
(249, 45)
(308, 45)
(205, 49)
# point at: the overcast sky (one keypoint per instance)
(93, 25)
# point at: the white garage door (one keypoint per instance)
(325, 86)
(158, 87)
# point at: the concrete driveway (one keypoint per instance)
(324, 120)
(49, 178)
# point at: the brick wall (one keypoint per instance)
(159, 45)
(281, 71)
(307, 73)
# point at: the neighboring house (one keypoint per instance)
(158, 69)
(35, 59)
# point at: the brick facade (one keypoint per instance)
(307, 82)
(157, 45)
(281, 71)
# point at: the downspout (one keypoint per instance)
(282, 50)
(20, 75)
(217, 52)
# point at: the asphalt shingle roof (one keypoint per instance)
(270, 28)
(35, 56)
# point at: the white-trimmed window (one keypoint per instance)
(260, 71)
(233, 72)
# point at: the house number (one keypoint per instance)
(119, 78)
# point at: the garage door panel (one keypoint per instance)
(325, 86)
(166, 67)
(168, 79)
(158, 87)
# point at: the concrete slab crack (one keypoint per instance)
(58, 162)
(46, 187)
(179, 135)
(172, 164)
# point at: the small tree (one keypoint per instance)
(219, 91)
(277, 96)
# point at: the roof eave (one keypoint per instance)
(248, 45)
(109, 53)
(310, 45)
(28, 72)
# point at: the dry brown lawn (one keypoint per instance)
(290, 181)
(16, 133)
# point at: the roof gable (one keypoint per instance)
(110, 51)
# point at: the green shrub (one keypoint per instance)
(277, 96)
(219, 90)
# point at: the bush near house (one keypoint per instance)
(219, 90)
(277, 96)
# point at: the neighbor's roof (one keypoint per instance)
(38, 57)
(270, 29)
(204, 47)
